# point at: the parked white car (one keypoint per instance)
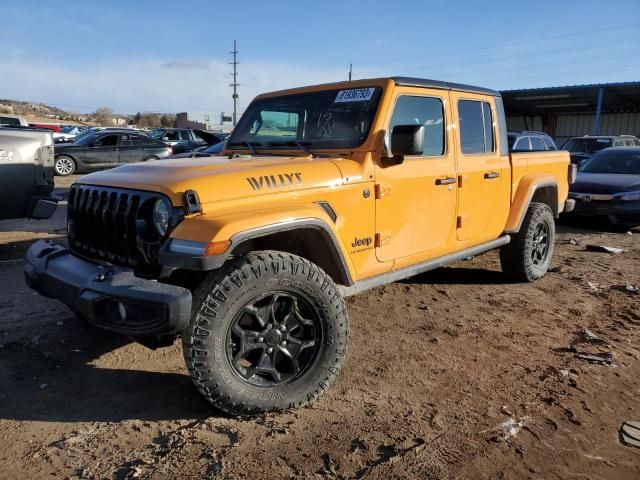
(69, 133)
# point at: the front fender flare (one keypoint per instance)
(242, 228)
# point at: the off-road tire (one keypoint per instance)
(517, 257)
(218, 301)
(64, 165)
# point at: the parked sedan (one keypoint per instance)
(107, 149)
(608, 184)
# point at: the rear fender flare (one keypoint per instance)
(525, 193)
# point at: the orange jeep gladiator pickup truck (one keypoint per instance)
(322, 192)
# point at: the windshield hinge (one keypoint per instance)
(382, 191)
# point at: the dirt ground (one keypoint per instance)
(452, 374)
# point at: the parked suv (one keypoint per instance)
(326, 191)
(527, 141)
(582, 148)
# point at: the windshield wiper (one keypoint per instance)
(250, 145)
(301, 145)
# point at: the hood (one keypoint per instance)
(221, 178)
(605, 183)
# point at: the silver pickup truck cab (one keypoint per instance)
(26, 174)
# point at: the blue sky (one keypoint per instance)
(173, 56)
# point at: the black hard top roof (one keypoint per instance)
(423, 82)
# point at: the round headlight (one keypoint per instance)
(161, 215)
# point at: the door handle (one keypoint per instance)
(445, 181)
(491, 175)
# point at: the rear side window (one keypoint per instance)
(549, 143)
(184, 135)
(476, 127)
(425, 111)
(536, 143)
(9, 121)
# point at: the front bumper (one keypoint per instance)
(109, 297)
(617, 211)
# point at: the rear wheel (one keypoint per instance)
(152, 157)
(527, 257)
(268, 331)
(64, 166)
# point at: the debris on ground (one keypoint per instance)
(603, 358)
(631, 288)
(630, 433)
(603, 248)
(591, 337)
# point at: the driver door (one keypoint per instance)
(416, 200)
(103, 153)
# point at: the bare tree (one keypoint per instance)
(104, 116)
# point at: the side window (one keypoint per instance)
(426, 111)
(136, 140)
(476, 127)
(125, 140)
(185, 135)
(522, 144)
(536, 143)
(108, 141)
(170, 136)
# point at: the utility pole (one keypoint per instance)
(235, 83)
(350, 70)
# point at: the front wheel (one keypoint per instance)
(268, 331)
(527, 257)
(64, 166)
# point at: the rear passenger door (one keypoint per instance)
(130, 148)
(483, 174)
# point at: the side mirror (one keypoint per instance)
(405, 140)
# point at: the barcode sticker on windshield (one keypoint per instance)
(355, 95)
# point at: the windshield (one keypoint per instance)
(614, 161)
(321, 119)
(587, 145)
(157, 133)
(86, 139)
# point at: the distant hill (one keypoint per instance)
(18, 107)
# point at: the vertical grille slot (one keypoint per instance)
(104, 222)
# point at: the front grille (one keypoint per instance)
(113, 225)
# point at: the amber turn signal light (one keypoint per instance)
(216, 248)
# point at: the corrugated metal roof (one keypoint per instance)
(584, 85)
